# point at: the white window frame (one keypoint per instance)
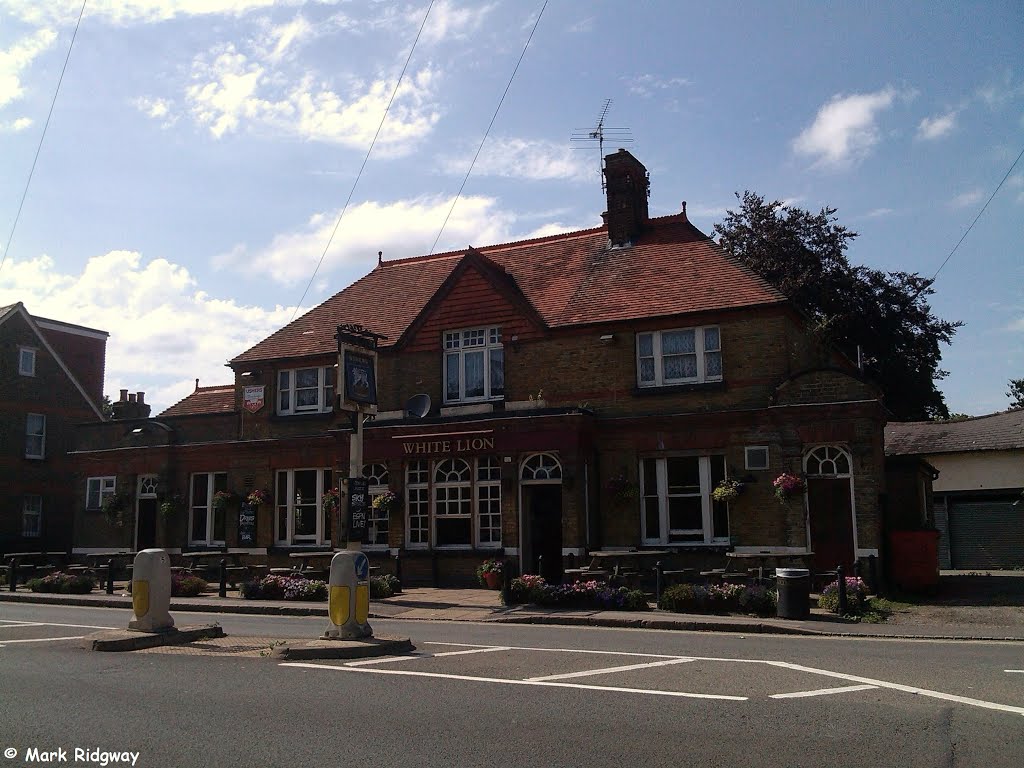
(660, 490)
(286, 390)
(747, 464)
(212, 486)
(417, 504)
(422, 501)
(323, 483)
(487, 501)
(32, 507)
(456, 345)
(660, 380)
(26, 361)
(377, 521)
(32, 436)
(101, 488)
(458, 493)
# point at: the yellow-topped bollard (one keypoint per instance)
(151, 592)
(349, 597)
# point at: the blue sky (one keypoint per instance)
(200, 151)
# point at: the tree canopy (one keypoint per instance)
(1016, 394)
(885, 314)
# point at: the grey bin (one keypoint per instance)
(794, 593)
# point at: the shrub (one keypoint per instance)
(384, 586)
(684, 598)
(719, 598)
(63, 583)
(186, 584)
(581, 594)
(284, 588)
(856, 596)
(760, 600)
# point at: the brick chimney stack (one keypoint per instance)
(131, 405)
(628, 186)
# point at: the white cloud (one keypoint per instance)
(938, 126)
(446, 21)
(290, 258)
(648, 85)
(997, 94)
(157, 109)
(15, 59)
(164, 333)
(18, 125)
(133, 11)
(515, 158)
(878, 213)
(230, 90)
(285, 38)
(968, 198)
(845, 128)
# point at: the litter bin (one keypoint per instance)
(794, 593)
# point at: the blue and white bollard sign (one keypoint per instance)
(151, 592)
(349, 597)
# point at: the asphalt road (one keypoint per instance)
(508, 695)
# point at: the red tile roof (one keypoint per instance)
(995, 432)
(570, 279)
(216, 399)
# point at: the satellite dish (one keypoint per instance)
(418, 406)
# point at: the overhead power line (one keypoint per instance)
(489, 125)
(365, 160)
(46, 125)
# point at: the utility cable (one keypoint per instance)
(365, 160)
(977, 217)
(489, 125)
(46, 125)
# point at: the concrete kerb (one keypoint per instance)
(128, 640)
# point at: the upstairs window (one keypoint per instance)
(680, 356)
(35, 436)
(305, 390)
(97, 490)
(26, 361)
(474, 365)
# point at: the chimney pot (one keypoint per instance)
(140, 398)
(197, 385)
(131, 397)
(628, 186)
(124, 396)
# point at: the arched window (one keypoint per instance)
(541, 468)
(827, 461)
(453, 503)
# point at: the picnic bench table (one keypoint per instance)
(625, 564)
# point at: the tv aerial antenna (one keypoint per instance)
(586, 138)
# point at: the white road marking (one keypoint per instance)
(568, 650)
(506, 681)
(822, 692)
(413, 657)
(52, 624)
(899, 687)
(1014, 670)
(44, 639)
(608, 670)
(21, 624)
(474, 650)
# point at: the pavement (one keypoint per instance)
(994, 611)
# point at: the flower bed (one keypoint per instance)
(384, 586)
(63, 584)
(284, 588)
(529, 588)
(186, 585)
(719, 598)
(856, 596)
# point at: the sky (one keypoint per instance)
(200, 153)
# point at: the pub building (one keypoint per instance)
(536, 400)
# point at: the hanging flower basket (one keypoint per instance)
(331, 501)
(621, 488)
(115, 508)
(727, 490)
(171, 506)
(258, 497)
(787, 486)
(386, 502)
(222, 498)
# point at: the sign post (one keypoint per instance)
(357, 393)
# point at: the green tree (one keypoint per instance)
(1016, 394)
(884, 314)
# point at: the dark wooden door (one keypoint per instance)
(545, 507)
(830, 510)
(145, 537)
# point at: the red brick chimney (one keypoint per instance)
(131, 405)
(628, 186)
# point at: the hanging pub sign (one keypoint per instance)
(360, 377)
(247, 525)
(252, 398)
(358, 504)
(357, 368)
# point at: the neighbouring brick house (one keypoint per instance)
(587, 390)
(51, 378)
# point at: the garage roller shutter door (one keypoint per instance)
(986, 534)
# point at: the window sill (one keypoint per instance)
(304, 416)
(706, 386)
(465, 409)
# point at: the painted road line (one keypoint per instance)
(53, 624)
(19, 625)
(570, 650)
(608, 670)
(1014, 670)
(413, 657)
(506, 681)
(43, 640)
(898, 687)
(822, 692)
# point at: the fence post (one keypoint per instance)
(540, 565)
(110, 576)
(398, 568)
(506, 581)
(223, 591)
(873, 572)
(12, 575)
(841, 584)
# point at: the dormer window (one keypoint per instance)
(305, 390)
(679, 356)
(474, 365)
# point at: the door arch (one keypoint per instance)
(540, 504)
(831, 515)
